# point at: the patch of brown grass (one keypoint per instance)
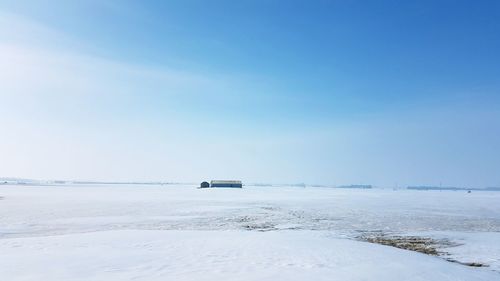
(423, 245)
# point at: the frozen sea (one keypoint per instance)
(179, 232)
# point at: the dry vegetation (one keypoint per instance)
(425, 245)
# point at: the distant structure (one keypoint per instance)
(204, 185)
(226, 183)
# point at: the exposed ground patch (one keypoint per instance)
(473, 264)
(425, 245)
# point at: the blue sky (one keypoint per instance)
(333, 92)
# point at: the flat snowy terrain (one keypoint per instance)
(134, 232)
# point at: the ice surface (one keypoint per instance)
(134, 232)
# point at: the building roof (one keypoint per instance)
(224, 182)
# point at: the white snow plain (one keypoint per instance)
(148, 232)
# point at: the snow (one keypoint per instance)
(146, 232)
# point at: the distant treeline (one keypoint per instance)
(452, 188)
(361, 186)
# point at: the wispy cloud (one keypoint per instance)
(42, 75)
(39, 56)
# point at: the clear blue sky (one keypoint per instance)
(333, 92)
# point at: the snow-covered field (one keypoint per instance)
(134, 232)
